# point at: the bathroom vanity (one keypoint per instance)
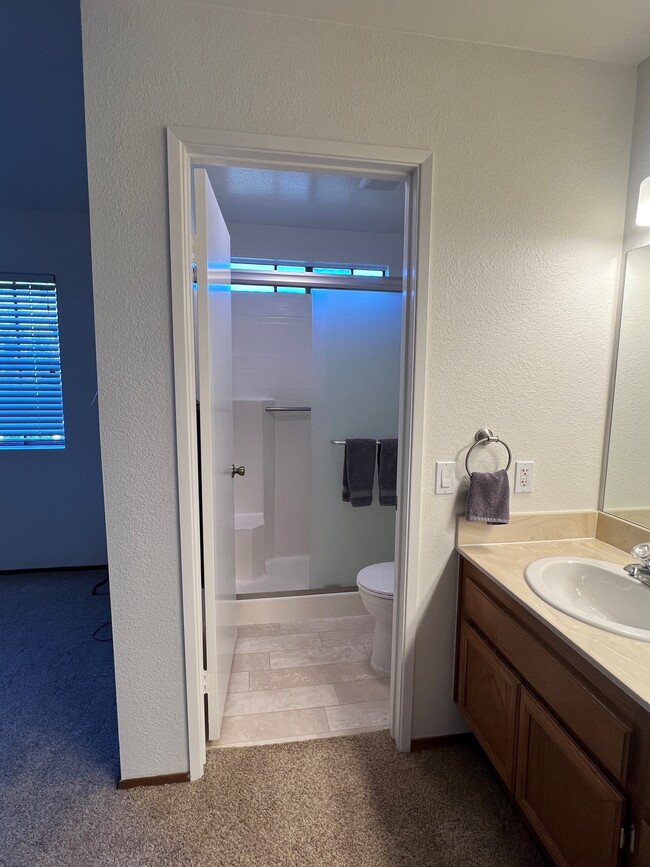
(561, 709)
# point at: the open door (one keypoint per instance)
(214, 372)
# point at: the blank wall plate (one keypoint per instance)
(524, 477)
(445, 477)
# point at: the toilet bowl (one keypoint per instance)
(376, 585)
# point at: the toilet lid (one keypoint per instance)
(378, 578)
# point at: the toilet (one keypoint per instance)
(376, 585)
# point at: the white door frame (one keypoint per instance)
(187, 147)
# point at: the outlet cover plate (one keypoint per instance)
(524, 471)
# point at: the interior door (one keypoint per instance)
(214, 371)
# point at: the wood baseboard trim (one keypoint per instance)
(162, 780)
(442, 741)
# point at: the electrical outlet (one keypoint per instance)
(524, 477)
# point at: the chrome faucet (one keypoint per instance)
(640, 570)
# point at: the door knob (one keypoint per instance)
(237, 471)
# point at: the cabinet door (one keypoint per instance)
(488, 694)
(642, 847)
(575, 810)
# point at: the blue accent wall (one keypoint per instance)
(51, 508)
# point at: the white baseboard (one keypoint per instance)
(287, 609)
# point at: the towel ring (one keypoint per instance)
(483, 437)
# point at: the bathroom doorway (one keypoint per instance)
(350, 326)
(316, 312)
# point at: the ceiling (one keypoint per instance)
(599, 29)
(275, 198)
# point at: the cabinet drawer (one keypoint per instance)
(575, 810)
(488, 696)
(599, 730)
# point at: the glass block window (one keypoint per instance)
(279, 268)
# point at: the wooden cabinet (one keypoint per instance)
(488, 695)
(642, 845)
(571, 747)
(572, 807)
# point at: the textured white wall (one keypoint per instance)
(51, 506)
(531, 163)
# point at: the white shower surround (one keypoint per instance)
(338, 352)
(262, 566)
(272, 366)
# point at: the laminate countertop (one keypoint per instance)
(625, 661)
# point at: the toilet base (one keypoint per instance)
(380, 660)
(375, 585)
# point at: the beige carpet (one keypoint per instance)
(348, 801)
(339, 801)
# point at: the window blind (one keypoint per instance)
(31, 398)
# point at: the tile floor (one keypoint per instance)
(293, 681)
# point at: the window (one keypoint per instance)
(31, 399)
(276, 269)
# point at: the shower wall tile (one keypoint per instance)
(272, 359)
(271, 337)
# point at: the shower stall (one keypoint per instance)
(310, 370)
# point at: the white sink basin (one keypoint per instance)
(593, 591)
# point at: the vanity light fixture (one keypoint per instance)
(643, 209)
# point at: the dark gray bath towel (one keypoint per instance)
(488, 498)
(359, 471)
(387, 472)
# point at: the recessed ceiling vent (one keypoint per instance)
(374, 184)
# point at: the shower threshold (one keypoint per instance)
(315, 591)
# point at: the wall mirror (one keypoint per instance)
(627, 487)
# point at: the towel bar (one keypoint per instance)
(483, 437)
(342, 442)
(287, 409)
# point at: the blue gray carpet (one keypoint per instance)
(340, 802)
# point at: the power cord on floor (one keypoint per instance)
(103, 626)
(98, 585)
(108, 622)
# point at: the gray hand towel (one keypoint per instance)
(359, 471)
(387, 472)
(488, 498)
